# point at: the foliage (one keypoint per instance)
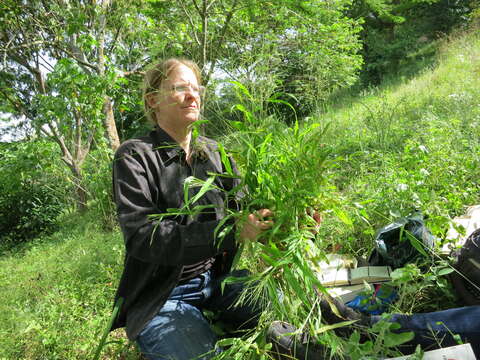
(408, 147)
(282, 170)
(385, 341)
(305, 49)
(62, 64)
(58, 294)
(400, 36)
(33, 191)
(307, 56)
(401, 150)
(98, 185)
(420, 287)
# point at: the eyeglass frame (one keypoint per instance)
(184, 87)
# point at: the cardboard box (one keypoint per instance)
(346, 293)
(344, 277)
(459, 352)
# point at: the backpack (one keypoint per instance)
(466, 278)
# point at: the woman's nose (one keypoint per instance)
(191, 93)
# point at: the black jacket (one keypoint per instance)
(148, 179)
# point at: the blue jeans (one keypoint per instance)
(436, 328)
(180, 331)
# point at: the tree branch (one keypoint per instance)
(36, 72)
(78, 55)
(45, 132)
(78, 134)
(16, 104)
(88, 145)
(115, 39)
(220, 41)
(45, 62)
(190, 20)
(204, 32)
(67, 156)
(25, 45)
(211, 3)
(197, 7)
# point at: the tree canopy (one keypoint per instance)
(71, 70)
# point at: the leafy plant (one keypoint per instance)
(34, 191)
(384, 343)
(98, 185)
(282, 170)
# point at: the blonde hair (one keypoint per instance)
(159, 72)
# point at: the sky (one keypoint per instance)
(6, 134)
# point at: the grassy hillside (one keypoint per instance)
(57, 292)
(414, 145)
(395, 149)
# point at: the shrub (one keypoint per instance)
(98, 182)
(33, 190)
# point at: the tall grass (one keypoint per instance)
(283, 170)
(411, 146)
(57, 293)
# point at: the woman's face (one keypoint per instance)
(177, 102)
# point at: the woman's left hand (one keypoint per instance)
(255, 224)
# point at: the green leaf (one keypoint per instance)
(243, 109)
(343, 216)
(283, 102)
(225, 159)
(236, 259)
(192, 182)
(238, 125)
(326, 328)
(116, 309)
(416, 243)
(233, 280)
(242, 89)
(395, 339)
(295, 285)
(445, 271)
(227, 342)
(268, 259)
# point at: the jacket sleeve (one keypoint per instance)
(165, 241)
(240, 193)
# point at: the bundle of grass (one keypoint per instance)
(283, 170)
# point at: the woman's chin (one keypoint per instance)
(192, 119)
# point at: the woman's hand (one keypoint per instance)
(317, 217)
(255, 224)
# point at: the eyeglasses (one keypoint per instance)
(183, 88)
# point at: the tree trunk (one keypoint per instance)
(108, 119)
(80, 190)
(109, 124)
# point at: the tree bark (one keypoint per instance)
(109, 118)
(109, 123)
(79, 188)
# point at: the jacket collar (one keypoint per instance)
(165, 142)
(172, 149)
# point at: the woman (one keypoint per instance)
(174, 265)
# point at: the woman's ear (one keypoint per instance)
(151, 99)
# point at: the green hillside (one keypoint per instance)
(412, 145)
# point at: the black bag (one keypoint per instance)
(401, 242)
(467, 280)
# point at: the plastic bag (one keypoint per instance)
(376, 303)
(402, 242)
